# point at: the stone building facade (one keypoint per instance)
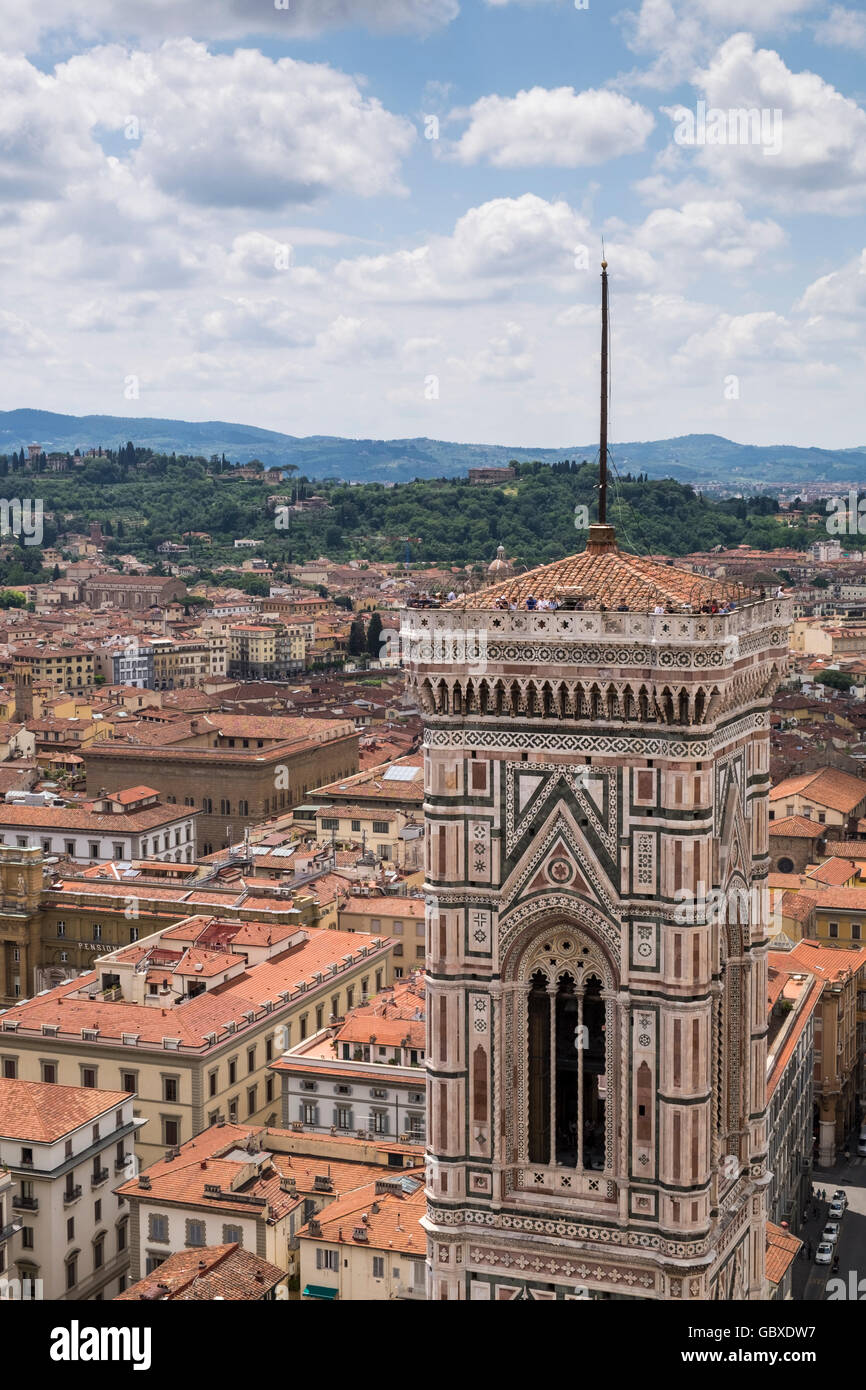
(596, 782)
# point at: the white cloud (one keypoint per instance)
(738, 338)
(506, 357)
(841, 294)
(239, 129)
(843, 28)
(818, 159)
(714, 234)
(23, 25)
(493, 246)
(554, 126)
(350, 339)
(679, 34)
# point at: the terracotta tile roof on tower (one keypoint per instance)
(605, 574)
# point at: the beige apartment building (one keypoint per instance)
(65, 1148)
(191, 1017)
(369, 1245)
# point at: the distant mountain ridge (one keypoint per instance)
(700, 459)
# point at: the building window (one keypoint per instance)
(320, 1017)
(170, 1131)
(49, 1073)
(70, 1228)
(269, 1049)
(195, 1233)
(27, 1237)
(269, 1089)
(327, 1259)
(212, 1083)
(350, 997)
(94, 849)
(834, 929)
(61, 928)
(330, 823)
(233, 1235)
(381, 827)
(88, 1076)
(343, 1117)
(154, 1262)
(169, 1089)
(251, 1059)
(579, 1073)
(303, 1026)
(121, 1237)
(233, 1071)
(855, 931)
(99, 1252)
(378, 1266)
(251, 1100)
(233, 1110)
(133, 934)
(127, 1081)
(71, 1272)
(308, 1112)
(157, 1227)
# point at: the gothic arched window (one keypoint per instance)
(567, 1004)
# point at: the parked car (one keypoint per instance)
(840, 1195)
(837, 1210)
(831, 1232)
(861, 1145)
(824, 1253)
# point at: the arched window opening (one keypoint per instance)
(539, 1070)
(567, 1072)
(593, 1079)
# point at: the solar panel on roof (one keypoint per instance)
(401, 774)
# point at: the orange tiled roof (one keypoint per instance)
(216, 1271)
(836, 871)
(390, 905)
(41, 1112)
(605, 574)
(393, 1223)
(800, 828)
(192, 1019)
(782, 1247)
(828, 962)
(840, 791)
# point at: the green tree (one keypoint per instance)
(357, 638)
(374, 636)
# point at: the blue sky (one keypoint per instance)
(231, 210)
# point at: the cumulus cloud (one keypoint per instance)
(492, 247)
(555, 126)
(679, 34)
(24, 25)
(817, 159)
(239, 129)
(349, 339)
(843, 28)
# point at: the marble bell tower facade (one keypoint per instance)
(596, 784)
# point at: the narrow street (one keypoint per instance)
(810, 1279)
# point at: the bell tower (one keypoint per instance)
(596, 738)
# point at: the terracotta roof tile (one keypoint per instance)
(605, 574)
(214, 1271)
(42, 1113)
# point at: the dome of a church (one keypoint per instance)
(499, 567)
